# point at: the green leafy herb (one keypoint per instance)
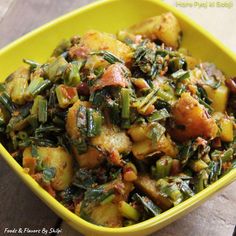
(108, 56)
(32, 64)
(94, 122)
(159, 115)
(180, 75)
(49, 174)
(149, 206)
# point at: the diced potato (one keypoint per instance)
(93, 156)
(164, 27)
(130, 172)
(95, 41)
(138, 132)
(191, 120)
(17, 85)
(57, 158)
(198, 165)
(107, 215)
(90, 159)
(149, 187)
(144, 148)
(94, 62)
(226, 130)
(192, 62)
(112, 138)
(62, 161)
(218, 96)
(71, 121)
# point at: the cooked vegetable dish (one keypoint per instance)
(120, 128)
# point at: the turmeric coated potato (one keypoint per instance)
(17, 85)
(218, 96)
(112, 138)
(107, 215)
(226, 126)
(165, 28)
(71, 121)
(57, 158)
(145, 148)
(191, 120)
(138, 132)
(149, 187)
(92, 157)
(93, 41)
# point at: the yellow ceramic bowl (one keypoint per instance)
(110, 16)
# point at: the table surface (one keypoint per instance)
(21, 208)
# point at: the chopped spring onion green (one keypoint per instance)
(184, 187)
(180, 75)
(72, 76)
(108, 199)
(201, 181)
(56, 69)
(94, 122)
(36, 86)
(159, 115)
(5, 100)
(156, 131)
(42, 110)
(128, 211)
(125, 101)
(108, 56)
(32, 64)
(82, 120)
(163, 167)
(148, 205)
(227, 155)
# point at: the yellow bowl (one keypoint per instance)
(110, 16)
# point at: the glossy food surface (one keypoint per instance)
(31, 57)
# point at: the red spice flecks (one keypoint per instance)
(115, 158)
(68, 92)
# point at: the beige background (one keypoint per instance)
(20, 208)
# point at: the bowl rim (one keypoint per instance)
(62, 211)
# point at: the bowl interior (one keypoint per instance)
(110, 16)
